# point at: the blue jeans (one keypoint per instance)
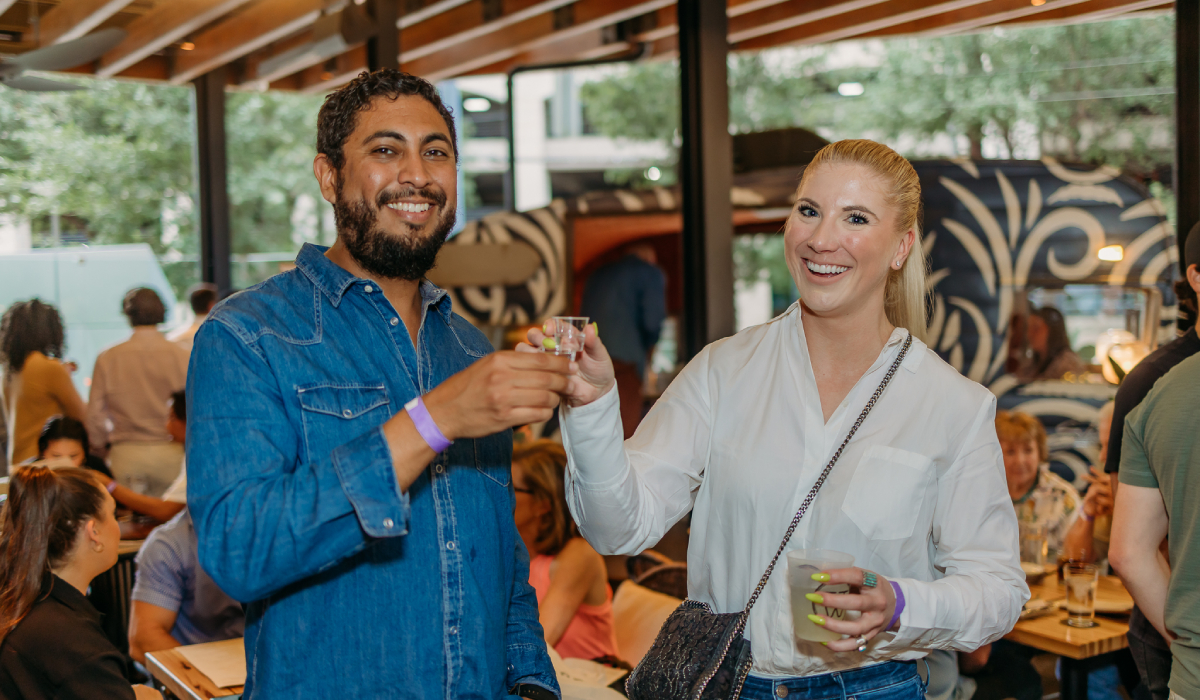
(892, 680)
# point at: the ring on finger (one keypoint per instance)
(862, 644)
(869, 579)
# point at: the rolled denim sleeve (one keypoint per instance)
(263, 519)
(528, 660)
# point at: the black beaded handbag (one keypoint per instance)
(702, 655)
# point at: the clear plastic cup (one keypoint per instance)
(568, 334)
(802, 564)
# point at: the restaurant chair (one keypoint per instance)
(638, 614)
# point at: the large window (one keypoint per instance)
(97, 197)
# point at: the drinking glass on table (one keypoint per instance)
(1081, 580)
(1034, 542)
(567, 333)
(802, 564)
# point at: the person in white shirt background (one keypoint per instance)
(918, 496)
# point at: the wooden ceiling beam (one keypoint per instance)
(494, 47)
(845, 26)
(968, 18)
(588, 46)
(167, 23)
(795, 13)
(262, 23)
(530, 34)
(71, 20)
(440, 25)
(1093, 11)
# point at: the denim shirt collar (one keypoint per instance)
(333, 280)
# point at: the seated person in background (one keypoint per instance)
(175, 497)
(574, 598)
(64, 441)
(1039, 495)
(58, 533)
(1003, 669)
(1050, 355)
(174, 602)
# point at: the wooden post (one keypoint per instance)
(383, 48)
(705, 176)
(215, 246)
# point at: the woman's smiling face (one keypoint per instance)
(840, 240)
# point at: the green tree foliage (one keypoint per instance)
(1099, 92)
(1093, 93)
(117, 162)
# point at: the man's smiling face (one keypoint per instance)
(396, 193)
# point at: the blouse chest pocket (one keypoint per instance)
(887, 492)
(335, 414)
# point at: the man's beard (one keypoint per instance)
(392, 255)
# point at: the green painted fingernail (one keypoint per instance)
(815, 597)
(824, 644)
(817, 619)
(822, 577)
(596, 327)
(549, 343)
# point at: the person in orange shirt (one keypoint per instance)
(34, 383)
(574, 598)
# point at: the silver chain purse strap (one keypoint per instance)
(887, 378)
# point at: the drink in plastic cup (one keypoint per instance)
(1081, 580)
(1034, 541)
(567, 332)
(802, 564)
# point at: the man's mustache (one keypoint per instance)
(386, 197)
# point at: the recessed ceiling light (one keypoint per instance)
(187, 46)
(477, 104)
(850, 89)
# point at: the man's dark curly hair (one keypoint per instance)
(338, 115)
(29, 326)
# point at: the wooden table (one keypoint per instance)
(1074, 644)
(181, 678)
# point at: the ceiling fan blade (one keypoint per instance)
(71, 53)
(32, 84)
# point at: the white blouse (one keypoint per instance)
(738, 438)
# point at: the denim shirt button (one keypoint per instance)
(395, 320)
(388, 523)
(438, 468)
(347, 413)
(453, 630)
(449, 545)
(368, 289)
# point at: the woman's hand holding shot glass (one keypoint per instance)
(592, 373)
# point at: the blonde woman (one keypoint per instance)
(918, 496)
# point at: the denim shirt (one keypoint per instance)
(352, 587)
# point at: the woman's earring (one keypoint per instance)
(896, 264)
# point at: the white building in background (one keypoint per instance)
(556, 155)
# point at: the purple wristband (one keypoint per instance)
(425, 425)
(899, 604)
(111, 486)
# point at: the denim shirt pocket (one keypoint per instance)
(493, 457)
(334, 414)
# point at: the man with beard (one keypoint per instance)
(349, 442)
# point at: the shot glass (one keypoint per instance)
(567, 332)
(1034, 549)
(802, 564)
(1081, 580)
